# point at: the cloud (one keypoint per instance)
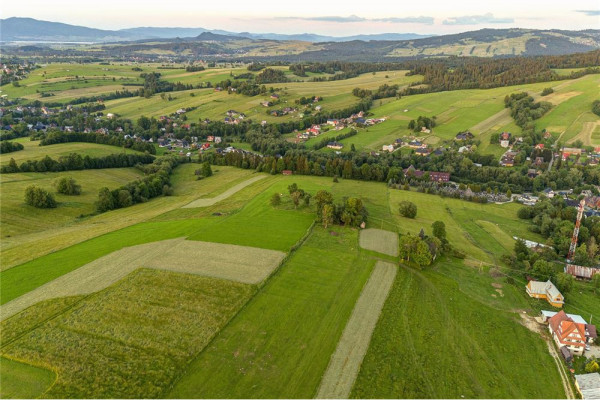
(589, 13)
(407, 20)
(477, 19)
(355, 18)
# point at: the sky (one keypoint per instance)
(327, 17)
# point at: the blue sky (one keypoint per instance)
(333, 17)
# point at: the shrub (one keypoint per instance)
(547, 91)
(408, 209)
(67, 186)
(37, 197)
(275, 199)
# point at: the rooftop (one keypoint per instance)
(589, 385)
(576, 318)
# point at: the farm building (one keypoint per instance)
(433, 175)
(335, 145)
(287, 172)
(567, 332)
(588, 385)
(545, 290)
(581, 272)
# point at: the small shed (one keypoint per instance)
(564, 351)
(286, 172)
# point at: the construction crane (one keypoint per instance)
(575, 232)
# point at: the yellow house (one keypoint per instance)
(545, 290)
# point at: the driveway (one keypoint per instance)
(593, 352)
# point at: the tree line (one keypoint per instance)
(75, 161)
(55, 137)
(9, 147)
(154, 184)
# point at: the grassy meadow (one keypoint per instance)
(33, 151)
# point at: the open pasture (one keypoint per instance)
(123, 330)
(214, 105)
(281, 342)
(18, 218)
(345, 362)
(378, 240)
(427, 330)
(237, 263)
(33, 151)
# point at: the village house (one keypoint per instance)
(566, 332)
(275, 96)
(545, 290)
(588, 385)
(388, 147)
(335, 145)
(433, 175)
(464, 136)
(415, 144)
(423, 151)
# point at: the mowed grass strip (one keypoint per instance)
(238, 263)
(344, 365)
(228, 193)
(434, 341)
(133, 338)
(279, 345)
(22, 381)
(381, 241)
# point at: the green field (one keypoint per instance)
(120, 331)
(280, 344)
(33, 151)
(22, 381)
(18, 218)
(434, 341)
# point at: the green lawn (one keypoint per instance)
(433, 341)
(281, 342)
(23, 381)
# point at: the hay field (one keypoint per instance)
(381, 241)
(132, 339)
(345, 362)
(22, 381)
(228, 193)
(237, 263)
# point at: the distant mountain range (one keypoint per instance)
(17, 29)
(193, 43)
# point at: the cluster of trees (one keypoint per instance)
(155, 183)
(421, 250)
(153, 84)
(9, 147)
(540, 266)
(75, 161)
(68, 186)
(525, 110)
(350, 212)
(422, 122)
(270, 75)
(340, 70)
(307, 100)
(382, 92)
(194, 68)
(341, 136)
(256, 67)
(596, 107)
(547, 91)
(204, 171)
(40, 198)
(113, 140)
(408, 209)
(555, 221)
(454, 73)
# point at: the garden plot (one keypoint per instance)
(381, 241)
(228, 193)
(344, 364)
(225, 261)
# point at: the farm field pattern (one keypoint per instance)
(216, 292)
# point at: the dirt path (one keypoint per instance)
(585, 135)
(225, 261)
(531, 324)
(345, 363)
(229, 192)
